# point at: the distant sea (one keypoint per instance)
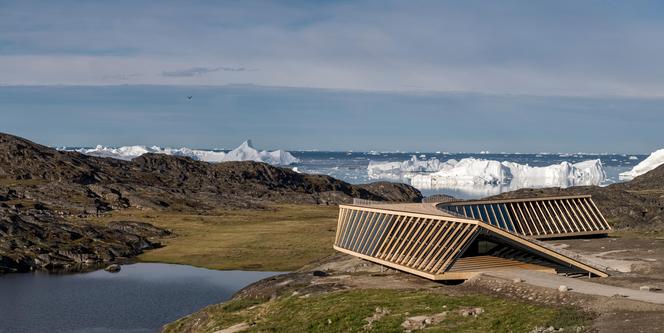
(352, 166)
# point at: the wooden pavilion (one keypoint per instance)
(457, 240)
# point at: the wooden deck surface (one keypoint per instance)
(415, 208)
(492, 263)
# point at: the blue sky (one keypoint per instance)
(421, 75)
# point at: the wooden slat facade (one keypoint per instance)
(536, 217)
(428, 242)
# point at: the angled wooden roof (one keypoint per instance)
(536, 217)
(423, 240)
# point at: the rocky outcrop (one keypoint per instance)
(71, 182)
(33, 239)
(42, 188)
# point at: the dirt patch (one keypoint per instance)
(638, 260)
(234, 329)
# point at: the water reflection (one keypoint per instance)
(140, 298)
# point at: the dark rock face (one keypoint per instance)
(41, 187)
(393, 191)
(37, 239)
(635, 204)
(114, 268)
(88, 185)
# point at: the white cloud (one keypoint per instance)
(515, 48)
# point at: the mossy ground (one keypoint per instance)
(346, 311)
(282, 238)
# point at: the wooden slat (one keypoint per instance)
(453, 253)
(553, 218)
(443, 226)
(427, 246)
(517, 225)
(455, 228)
(544, 250)
(358, 235)
(472, 211)
(339, 222)
(495, 218)
(537, 216)
(397, 234)
(407, 239)
(430, 245)
(521, 218)
(348, 226)
(355, 225)
(390, 234)
(370, 235)
(484, 263)
(584, 207)
(514, 217)
(412, 241)
(344, 223)
(361, 233)
(584, 214)
(440, 255)
(403, 238)
(505, 220)
(418, 239)
(485, 217)
(529, 222)
(600, 217)
(539, 230)
(548, 219)
(393, 265)
(428, 233)
(572, 214)
(440, 238)
(420, 211)
(343, 219)
(452, 248)
(579, 213)
(566, 214)
(564, 218)
(472, 202)
(381, 233)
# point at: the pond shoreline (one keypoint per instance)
(142, 297)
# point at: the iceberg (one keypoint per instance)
(467, 171)
(245, 152)
(651, 162)
(433, 173)
(565, 174)
(124, 153)
(397, 170)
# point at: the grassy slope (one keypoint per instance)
(345, 311)
(290, 236)
(281, 239)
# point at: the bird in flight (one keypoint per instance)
(189, 97)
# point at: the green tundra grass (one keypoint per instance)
(346, 311)
(283, 238)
